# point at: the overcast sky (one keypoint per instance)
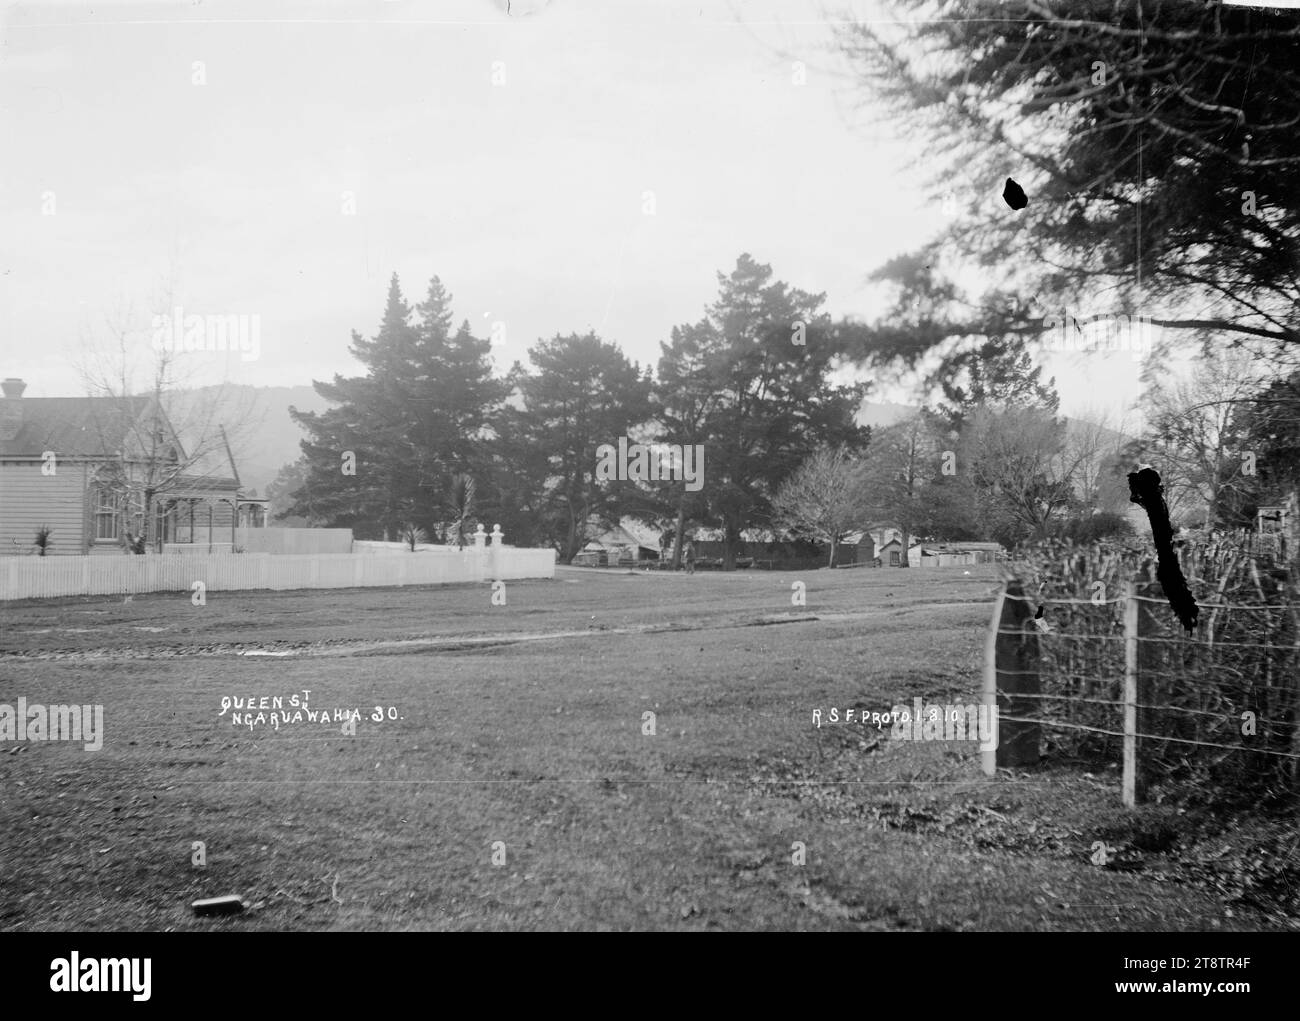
(206, 150)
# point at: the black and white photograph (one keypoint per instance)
(655, 465)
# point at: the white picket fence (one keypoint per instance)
(41, 577)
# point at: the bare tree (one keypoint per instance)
(157, 438)
(1018, 459)
(1095, 447)
(825, 497)
(1195, 431)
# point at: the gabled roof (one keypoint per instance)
(963, 547)
(75, 426)
(648, 536)
(100, 427)
(616, 536)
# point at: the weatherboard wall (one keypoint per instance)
(29, 500)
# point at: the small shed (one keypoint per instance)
(959, 554)
(891, 554)
(857, 548)
(615, 547)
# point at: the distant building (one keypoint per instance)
(940, 554)
(856, 548)
(615, 547)
(958, 554)
(891, 554)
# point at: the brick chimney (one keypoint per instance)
(11, 411)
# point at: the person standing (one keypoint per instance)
(688, 554)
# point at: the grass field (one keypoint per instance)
(522, 724)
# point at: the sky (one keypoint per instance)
(566, 166)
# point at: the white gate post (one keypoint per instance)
(498, 553)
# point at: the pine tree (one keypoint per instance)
(765, 350)
(584, 393)
(417, 419)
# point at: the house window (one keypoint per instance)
(107, 519)
(893, 559)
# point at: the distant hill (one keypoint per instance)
(882, 414)
(263, 436)
(271, 437)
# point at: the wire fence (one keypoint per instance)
(1090, 665)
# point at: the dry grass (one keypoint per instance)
(538, 744)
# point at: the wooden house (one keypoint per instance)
(80, 467)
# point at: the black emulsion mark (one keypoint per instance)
(1014, 195)
(1146, 491)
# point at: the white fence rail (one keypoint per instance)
(294, 540)
(43, 577)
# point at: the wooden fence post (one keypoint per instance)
(1011, 669)
(1140, 657)
(989, 757)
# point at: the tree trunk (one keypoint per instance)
(1210, 505)
(904, 541)
(146, 526)
(570, 550)
(731, 536)
(834, 547)
(677, 536)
